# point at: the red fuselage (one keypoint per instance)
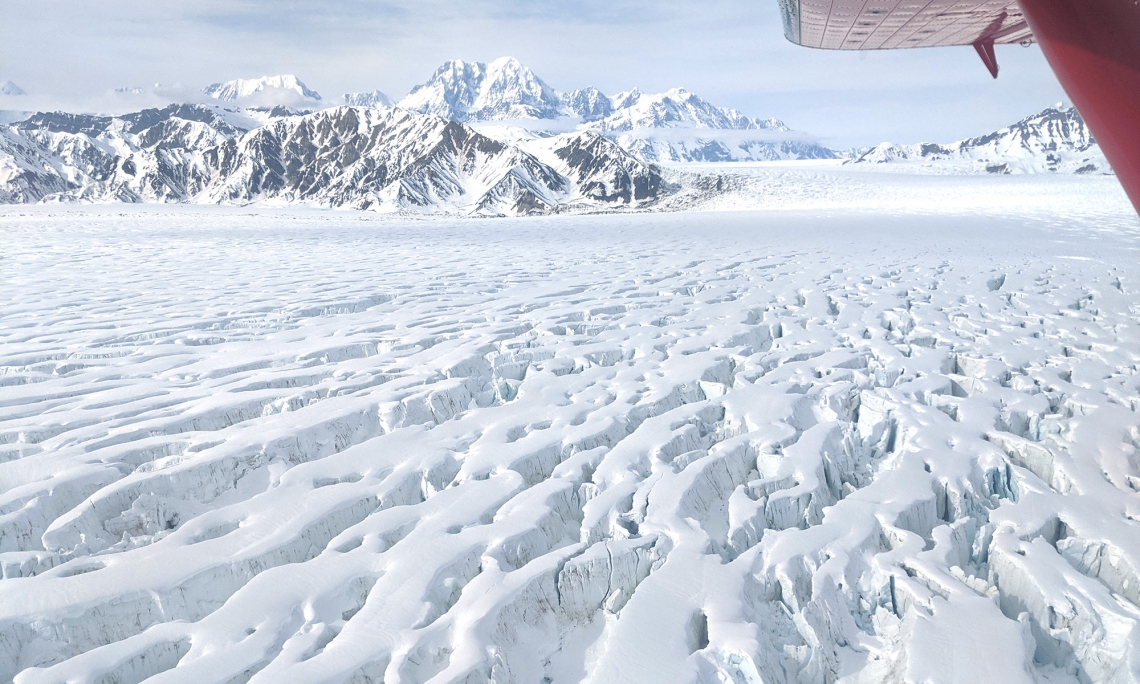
(1094, 47)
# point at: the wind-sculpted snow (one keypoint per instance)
(799, 446)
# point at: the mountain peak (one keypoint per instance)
(372, 99)
(626, 99)
(9, 88)
(265, 91)
(588, 104)
(503, 89)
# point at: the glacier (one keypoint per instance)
(876, 428)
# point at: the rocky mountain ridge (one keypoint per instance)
(352, 157)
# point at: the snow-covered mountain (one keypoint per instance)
(267, 91)
(473, 91)
(674, 126)
(677, 108)
(372, 99)
(11, 89)
(588, 104)
(358, 157)
(1056, 140)
(678, 126)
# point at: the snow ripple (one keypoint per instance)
(308, 448)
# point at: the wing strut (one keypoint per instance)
(985, 43)
(985, 48)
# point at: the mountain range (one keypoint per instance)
(1056, 140)
(11, 89)
(354, 157)
(475, 138)
(674, 126)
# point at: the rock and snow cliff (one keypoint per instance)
(1056, 140)
(358, 157)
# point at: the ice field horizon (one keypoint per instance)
(831, 424)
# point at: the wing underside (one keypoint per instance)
(887, 24)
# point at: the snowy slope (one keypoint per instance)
(599, 169)
(1056, 140)
(267, 91)
(784, 447)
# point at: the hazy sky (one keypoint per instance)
(71, 53)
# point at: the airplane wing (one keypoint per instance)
(887, 24)
(1092, 45)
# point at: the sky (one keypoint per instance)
(72, 54)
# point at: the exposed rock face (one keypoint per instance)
(364, 158)
(1056, 140)
(605, 172)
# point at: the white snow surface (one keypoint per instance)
(831, 442)
(11, 89)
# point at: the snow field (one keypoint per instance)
(801, 446)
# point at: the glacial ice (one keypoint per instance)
(810, 445)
